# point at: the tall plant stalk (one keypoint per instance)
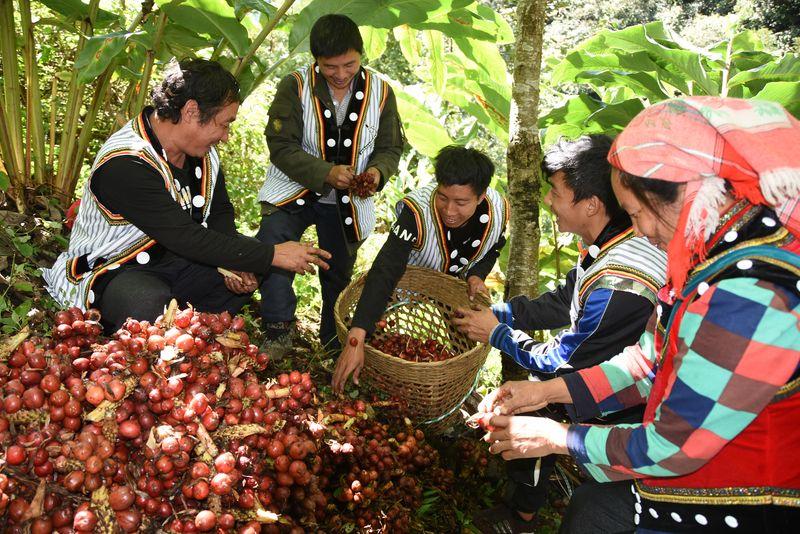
(34, 124)
(11, 124)
(147, 71)
(257, 42)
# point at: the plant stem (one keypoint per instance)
(266, 30)
(52, 137)
(727, 70)
(34, 98)
(11, 124)
(161, 24)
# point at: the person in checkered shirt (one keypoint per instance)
(715, 182)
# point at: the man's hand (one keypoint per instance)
(475, 285)
(477, 324)
(526, 437)
(350, 361)
(299, 257)
(340, 176)
(246, 283)
(518, 396)
(375, 174)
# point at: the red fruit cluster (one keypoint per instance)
(362, 185)
(412, 349)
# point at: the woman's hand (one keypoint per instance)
(299, 257)
(526, 437)
(351, 360)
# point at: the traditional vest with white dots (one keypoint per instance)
(102, 240)
(431, 249)
(351, 144)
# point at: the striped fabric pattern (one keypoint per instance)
(98, 233)
(430, 250)
(279, 189)
(712, 394)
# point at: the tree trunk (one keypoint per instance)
(524, 154)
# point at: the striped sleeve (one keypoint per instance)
(737, 347)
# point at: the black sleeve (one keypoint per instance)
(484, 267)
(547, 311)
(387, 269)
(222, 217)
(131, 188)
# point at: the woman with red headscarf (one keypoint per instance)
(715, 182)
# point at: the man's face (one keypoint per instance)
(338, 71)
(570, 215)
(199, 137)
(455, 204)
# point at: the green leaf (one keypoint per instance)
(438, 70)
(786, 94)
(213, 17)
(569, 120)
(787, 69)
(98, 53)
(25, 287)
(24, 248)
(614, 117)
(461, 23)
(683, 68)
(635, 70)
(5, 182)
(76, 10)
(409, 44)
(242, 7)
(374, 41)
(476, 93)
(424, 131)
(486, 56)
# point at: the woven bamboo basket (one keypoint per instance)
(422, 307)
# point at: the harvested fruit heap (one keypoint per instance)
(409, 348)
(171, 426)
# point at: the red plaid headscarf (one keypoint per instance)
(706, 142)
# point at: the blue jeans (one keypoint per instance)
(278, 301)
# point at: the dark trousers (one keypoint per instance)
(278, 301)
(601, 508)
(142, 291)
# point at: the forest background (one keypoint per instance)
(74, 72)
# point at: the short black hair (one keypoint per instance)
(652, 193)
(459, 165)
(206, 82)
(334, 35)
(586, 169)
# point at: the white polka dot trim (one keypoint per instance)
(484, 218)
(345, 199)
(659, 310)
(701, 519)
(769, 222)
(327, 113)
(702, 288)
(113, 266)
(348, 221)
(448, 235)
(198, 201)
(91, 296)
(316, 69)
(353, 116)
(359, 95)
(653, 513)
(363, 76)
(638, 508)
(731, 236)
(476, 243)
(300, 202)
(347, 142)
(454, 254)
(675, 517)
(797, 285)
(331, 143)
(177, 184)
(198, 172)
(744, 264)
(463, 261)
(594, 251)
(454, 268)
(636, 519)
(731, 521)
(633, 489)
(204, 224)
(143, 257)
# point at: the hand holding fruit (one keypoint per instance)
(299, 257)
(518, 396)
(526, 437)
(477, 323)
(351, 360)
(246, 282)
(340, 176)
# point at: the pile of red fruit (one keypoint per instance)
(409, 348)
(362, 185)
(173, 426)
